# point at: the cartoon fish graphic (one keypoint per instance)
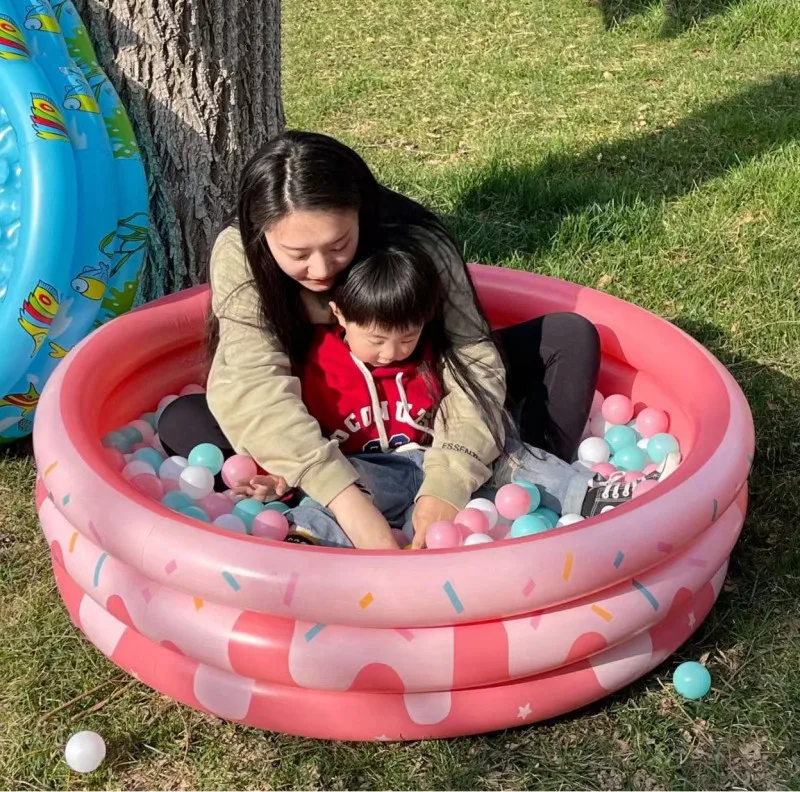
(91, 283)
(25, 401)
(57, 351)
(38, 17)
(12, 41)
(78, 95)
(37, 313)
(47, 119)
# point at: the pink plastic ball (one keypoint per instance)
(238, 468)
(136, 468)
(170, 485)
(632, 475)
(156, 443)
(651, 468)
(149, 485)
(597, 402)
(443, 534)
(487, 507)
(512, 501)
(137, 446)
(598, 426)
(188, 390)
(605, 469)
(270, 524)
(500, 532)
(474, 520)
(144, 429)
(644, 487)
(165, 402)
(114, 458)
(651, 421)
(215, 505)
(617, 409)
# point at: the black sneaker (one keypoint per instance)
(604, 494)
(666, 468)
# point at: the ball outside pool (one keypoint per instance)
(533, 491)
(177, 501)
(618, 409)
(208, 456)
(630, 458)
(512, 501)
(691, 680)
(660, 445)
(527, 525)
(196, 482)
(619, 437)
(593, 451)
(84, 752)
(487, 507)
(246, 509)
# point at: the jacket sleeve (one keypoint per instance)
(251, 391)
(463, 448)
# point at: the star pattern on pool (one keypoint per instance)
(524, 712)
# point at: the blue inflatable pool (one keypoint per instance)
(73, 200)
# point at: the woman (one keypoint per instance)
(308, 206)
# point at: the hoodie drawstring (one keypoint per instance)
(376, 403)
(404, 399)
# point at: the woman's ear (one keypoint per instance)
(338, 314)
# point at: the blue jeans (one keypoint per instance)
(393, 480)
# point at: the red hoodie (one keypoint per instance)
(345, 395)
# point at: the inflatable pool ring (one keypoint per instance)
(59, 204)
(376, 645)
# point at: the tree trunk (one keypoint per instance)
(200, 80)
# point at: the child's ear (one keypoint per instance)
(337, 313)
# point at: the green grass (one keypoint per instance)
(655, 155)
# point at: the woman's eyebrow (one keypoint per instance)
(335, 242)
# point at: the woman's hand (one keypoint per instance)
(365, 526)
(262, 488)
(428, 510)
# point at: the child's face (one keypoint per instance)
(375, 346)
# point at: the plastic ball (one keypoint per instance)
(144, 429)
(276, 506)
(118, 441)
(642, 443)
(188, 390)
(605, 469)
(148, 484)
(691, 680)
(632, 475)
(474, 520)
(230, 522)
(131, 434)
(114, 458)
(172, 467)
(569, 519)
(619, 437)
(238, 468)
(270, 525)
(150, 417)
(177, 501)
(527, 525)
(500, 532)
(137, 447)
(533, 491)
(630, 458)
(593, 450)
(651, 468)
(487, 507)
(84, 752)
(196, 482)
(651, 421)
(598, 425)
(208, 456)
(149, 456)
(476, 539)
(443, 534)
(246, 510)
(215, 505)
(643, 487)
(512, 501)
(617, 409)
(235, 496)
(155, 444)
(597, 402)
(196, 513)
(170, 485)
(136, 468)
(164, 403)
(548, 515)
(660, 445)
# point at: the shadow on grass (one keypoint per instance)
(504, 209)
(678, 14)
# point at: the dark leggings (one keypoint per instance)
(552, 364)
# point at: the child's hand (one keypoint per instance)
(262, 488)
(428, 510)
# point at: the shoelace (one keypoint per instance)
(615, 489)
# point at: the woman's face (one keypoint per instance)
(313, 247)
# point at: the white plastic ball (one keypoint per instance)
(136, 467)
(569, 519)
(487, 507)
(643, 444)
(599, 425)
(85, 751)
(476, 539)
(593, 451)
(172, 468)
(230, 522)
(196, 482)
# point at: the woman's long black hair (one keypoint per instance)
(308, 171)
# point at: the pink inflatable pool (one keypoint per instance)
(376, 645)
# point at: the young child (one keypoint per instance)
(373, 382)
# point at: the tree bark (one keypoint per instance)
(201, 82)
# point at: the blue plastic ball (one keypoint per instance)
(150, 456)
(208, 456)
(691, 680)
(548, 515)
(119, 441)
(276, 506)
(660, 445)
(527, 525)
(619, 437)
(246, 510)
(630, 458)
(150, 417)
(132, 434)
(196, 513)
(177, 501)
(532, 490)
